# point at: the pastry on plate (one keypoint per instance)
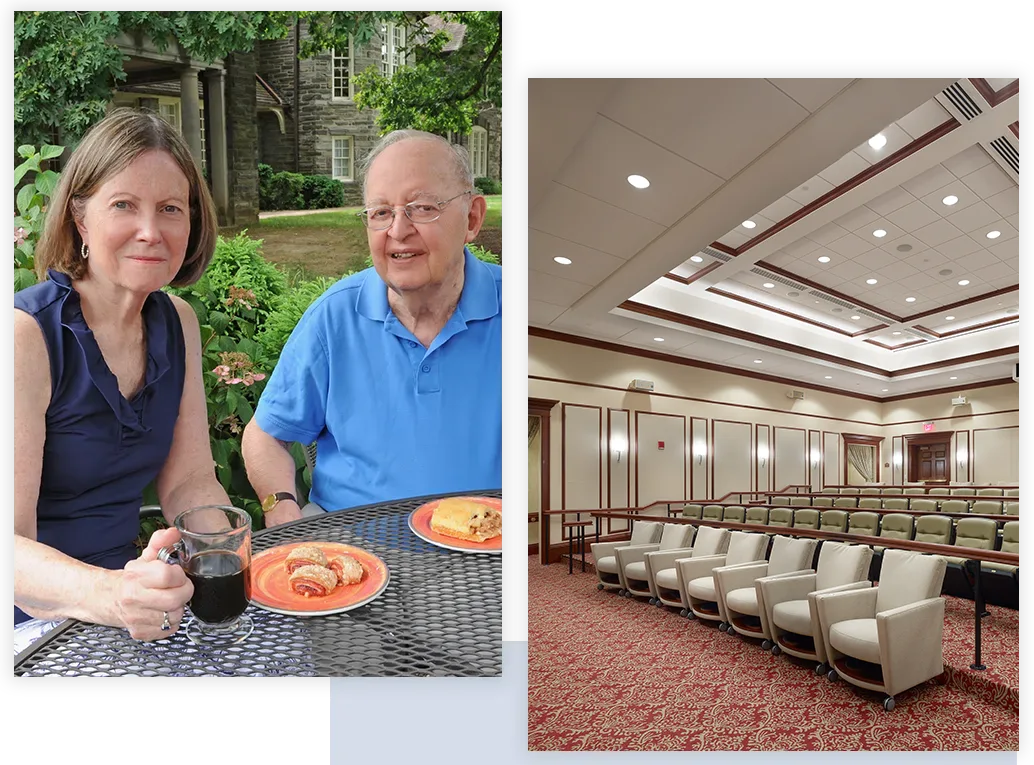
(466, 519)
(347, 568)
(313, 581)
(304, 555)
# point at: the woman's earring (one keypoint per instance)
(84, 251)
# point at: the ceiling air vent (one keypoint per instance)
(833, 300)
(962, 101)
(778, 279)
(716, 254)
(1007, 152)
(871, 315)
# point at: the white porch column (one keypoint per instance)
(190, 112)
(217, 171)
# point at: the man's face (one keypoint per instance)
(409, 256)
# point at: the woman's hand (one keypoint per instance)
(149, 589)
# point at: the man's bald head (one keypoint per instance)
(457, 163)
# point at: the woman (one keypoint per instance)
(108, 389)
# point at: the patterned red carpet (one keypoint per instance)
(612, 673)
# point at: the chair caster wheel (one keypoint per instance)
(821, 669)
(888, 703)
(653, 601)
(691, 615)
(832, 676)
(659, 603)
(684, 612)
(621, 593)
(628, 594)
(776, 650)
(599, 586)
(723, 627)
(766, 645)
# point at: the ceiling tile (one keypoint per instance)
(856, 219)
(851, 245)
(828, 233)
(845, 168)
(543, 313)
(937, 233)
(571, 215)
(734, 239)
(801, 247)
(918, 281)
(780, 258)
(1014, 220)
(921, 121)
(907, 241)
(939, 291)
(897, 271)
(1006, 202)
(810, 93)
(996, 270)
(552, 289)
(935, 199)
(988, 181)
(929, 181)
(849, 270)
(673, 339)
(978, 261)
(890, 201)
(974, 217)
(896, 139)
(956, 248)
(875, 258)
(868, 232)
(810, 190)
(588, 266)
(913, 216)
(1006, 232)
(966, 161)
(782, 208)
(1007, 251)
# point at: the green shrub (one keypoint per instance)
(265, 174)
(488, 186)
(322, 192)
(31, 201)
(282, 320)
(484, 255)
(285, 192)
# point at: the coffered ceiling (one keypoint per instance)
(856, 235)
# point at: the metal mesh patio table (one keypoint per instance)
(441, 615)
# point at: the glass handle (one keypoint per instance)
(172, 555)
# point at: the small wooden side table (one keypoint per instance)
(580, 527)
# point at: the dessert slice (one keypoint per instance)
(347, 568)
(466, 519)
(313, 581)
(304, 555)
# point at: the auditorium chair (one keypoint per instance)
(989, 492)
(830, 490)
(975, 533)
(780, 516)
(964, 492)
(893, 526)
(696, 574)
(822, 502)
(954, 506)
(1000, 581)
(869, 490)
(833, 520)
(741, 597)
(806, 518)
(866, 524)
(933, 529)
(986, 507)
(800, 501)
(790, 601)
(692, 511)
(643, 533)
(890, 490)
(708, 541)
(1011, 508)
(632, 560)
(924, 505)
(851, 490)
(781, 501)
(734, 514)
(1012, 492)
(938, 491)
(713, 512)
(870, 503)
(887, 638)
(851, 502)
(757, 514)
(895, 503)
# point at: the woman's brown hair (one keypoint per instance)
(106, 150)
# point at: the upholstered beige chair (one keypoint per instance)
(893, 526)
(1000, 583)
(913, 490)
(954, 506)
(800, 501)
(822, 501)
(740, 596)
(632, 560)
(1011, 508)
(708, 541)
(713, 512)
(935, 529)
(977, 533)
(963, 492)
(850, 490)
(846, 502)
(895, 503)
(1012, 492)
(830, 490)
(986, 507)
(887, 638)
(866, 524)
(806, 518)
(610, 576)
(757, 514)
(790, 601)
(869, 490)
(890, 490)
(938, 491)
(1010, 544)
(781, 517)
(989, 492)
(924, 505)
(781, 501)
(734, 514)
(696, 574)
(833, 520)
(692, 511)
(870, 503)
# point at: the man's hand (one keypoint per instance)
(285, 510)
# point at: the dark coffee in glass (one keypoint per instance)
(222, 586)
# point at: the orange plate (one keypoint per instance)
(420, 523)
(270, 588)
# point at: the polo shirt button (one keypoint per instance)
(412, 344)
(426, 368)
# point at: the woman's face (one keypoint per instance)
(137, 224)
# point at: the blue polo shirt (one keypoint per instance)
(391, 418)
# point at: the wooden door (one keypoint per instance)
(929, 462)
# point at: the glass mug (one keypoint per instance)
(215, 553)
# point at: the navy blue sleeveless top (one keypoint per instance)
(101, 450)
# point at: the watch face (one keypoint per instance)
(268, 503)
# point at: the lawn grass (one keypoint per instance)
(347, 217)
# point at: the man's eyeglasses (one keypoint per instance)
(421, 211)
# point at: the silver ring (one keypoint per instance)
(166, 624)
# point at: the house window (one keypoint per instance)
(479, 152)
(342, 72)
(393, 45)
(343, 158)
(169, 110)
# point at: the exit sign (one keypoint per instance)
(929, 427)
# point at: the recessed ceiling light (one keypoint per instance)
(895, 333)
(659, 339)
(878, 141)
(829, 377)
(562, 261)
(949, 318)
(638, 181)
(749, 224)
(879, 233)
(910, 300)
(884, 390)
(697, 259)
(757, 361)
(870, 281)
(953, 378)
(824, 259)
(963, 282)
(856, 318)
(993, 234)
(950, 200)
(768, 285)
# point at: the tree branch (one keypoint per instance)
(480, 81)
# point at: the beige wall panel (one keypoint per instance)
(582, 457)
(897, 460)
(832, 472)
(534, 483)
(763, 457)
(996, 455)
(790, 456)
(731, 461)
(619, 460)
(815, 458)
(699, 459)
(963, 457)
(660, 473)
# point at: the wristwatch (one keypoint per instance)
(274, 499)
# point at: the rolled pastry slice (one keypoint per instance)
(466, 519)
(347, 568)
(313, 581)
(305, 555)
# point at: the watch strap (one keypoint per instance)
(275, 499)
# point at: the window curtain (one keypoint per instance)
(861, 459)
(533, 428)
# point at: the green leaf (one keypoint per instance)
(46, 182)
(23, 278)
(219, 320)
(26, 195)
(232, 400)
(244, 410)
(49, 152)
(26, 150)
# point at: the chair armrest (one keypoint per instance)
(865, 584)
(694, 568)
(658, 561)
(605, 549)
(836, 607)
(737, 577)
(911, 643)
(777, 589)
(626, 555)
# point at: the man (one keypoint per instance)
(395, 371)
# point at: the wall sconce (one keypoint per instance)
(700, 451)
(961, 456)
(763, 454)
(814, 458)
(898, 459)
(618, 444)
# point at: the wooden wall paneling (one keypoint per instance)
(830, 459)
(897, 460)
(699, 457)
(998, 455)
(659, 474)
(963, 456)
(763, 457)
(619, 461)
(582, 466)
(543, 409)
(790, 456)
(731, 456)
